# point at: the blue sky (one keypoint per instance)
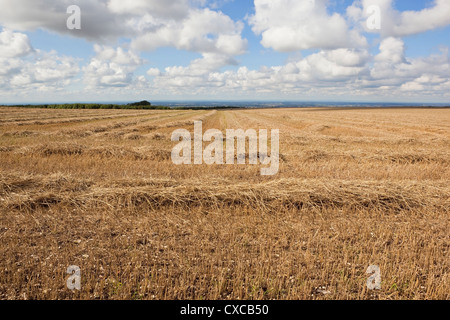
(225, 50)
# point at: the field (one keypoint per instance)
(97, 189)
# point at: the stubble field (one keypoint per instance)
(97, 189)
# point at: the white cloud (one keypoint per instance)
(392, 50)
(153, 72)
(202, 31)
(411, 86)
(342, 64)
(42, 69)
(111, 67)
(334, 64)
(172, 9)
(197, 74)
(13, 45)
(328, 65)
(9, 66)
(391, 65)
(20, 80)
(117, 56)
(22, 67)
(150, 24)
(346, 72)
(399, 24)
(98, 23)
(49, 67)
(290, 25)
(427, 19)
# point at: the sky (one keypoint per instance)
(191, 50)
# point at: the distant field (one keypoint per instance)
(97, 189)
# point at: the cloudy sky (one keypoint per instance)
(300, 50)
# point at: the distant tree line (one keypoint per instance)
(143, 105)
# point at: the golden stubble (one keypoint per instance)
(97, 189)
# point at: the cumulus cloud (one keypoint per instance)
(49, 67)
(150, 24)
(9, 66)
(13, 45)
(392, 50)
(22, 66)
(196, 75)
(98, 23)
(427, 19)
(328, 65)
(341, 64)
(202, 31)
(399, 24)
(172, 9)
(111, 67)
(153, 72)
(290, 25)
(327, 72)
(391, 64)
(37, 71)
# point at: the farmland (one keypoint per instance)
(97, 189)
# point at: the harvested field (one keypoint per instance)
(98, 189)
